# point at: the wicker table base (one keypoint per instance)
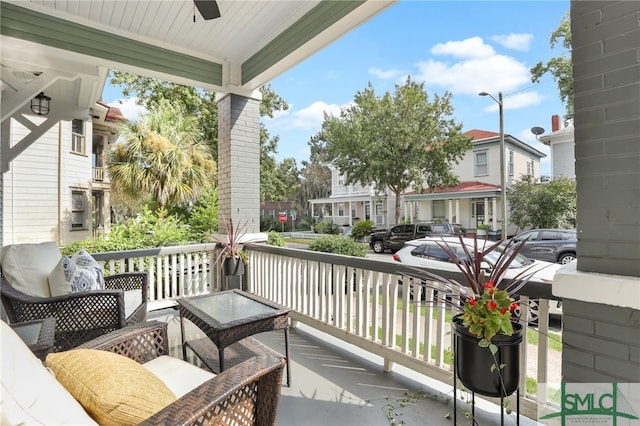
(229, 317)
(240, 351)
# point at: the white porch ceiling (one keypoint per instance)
(66, 48)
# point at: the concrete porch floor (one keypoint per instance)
(335, 383)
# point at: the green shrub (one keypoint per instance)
(339, 245)
(275, 239)
(148, 230)
(203, 218)
(326, 227)
(361, 229)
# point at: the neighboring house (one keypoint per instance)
(475, 200)
(562, 143)
(58, 188)
(350, 203)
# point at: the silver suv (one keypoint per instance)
(550, 245)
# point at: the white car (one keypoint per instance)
(427, 253)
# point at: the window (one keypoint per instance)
(481, 165)
(510, 163)
(340, 209)
(340, 179)
(78, 210)
(438, 208)
(272, 213)
(379, 208)
(77, 136)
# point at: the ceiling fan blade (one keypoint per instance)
(208, 9)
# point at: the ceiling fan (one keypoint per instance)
(207, 8)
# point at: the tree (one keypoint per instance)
(396, 141)
(202, 105)
(560, 67)
(315, 182)
(162, 158)
(543, 205)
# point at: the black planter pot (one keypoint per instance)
(473, 363)
(233, 266)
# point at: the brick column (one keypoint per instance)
(239, 161)
(601, 291)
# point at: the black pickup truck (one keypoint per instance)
(394, 238)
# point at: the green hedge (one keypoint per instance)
(339, 245)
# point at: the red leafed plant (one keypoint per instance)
(485, 301)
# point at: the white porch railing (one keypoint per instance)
(361, 301)
(174, 272)
(367, 303)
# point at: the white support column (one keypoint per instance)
(494, 206)
(486, 210)
(450, 210)
(458, 210)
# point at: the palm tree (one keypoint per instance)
(161, 158)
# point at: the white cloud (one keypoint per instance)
(514, 41)
(518, 101)
(470, 48)
(130, 110)
(309, 118)
(495, 73)
(386, 74)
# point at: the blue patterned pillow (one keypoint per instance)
(83, 273)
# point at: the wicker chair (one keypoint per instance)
(79, 316)
(245, 394)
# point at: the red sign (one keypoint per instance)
(283, 217)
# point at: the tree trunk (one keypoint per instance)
(397, 194)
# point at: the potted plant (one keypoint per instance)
(486, 331)
(483, 230)
(232, 256)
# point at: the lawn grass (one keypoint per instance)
(298, 240)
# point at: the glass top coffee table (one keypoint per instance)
(38, 335)
(229, 316)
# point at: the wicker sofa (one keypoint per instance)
(25, 277)
(246, 394)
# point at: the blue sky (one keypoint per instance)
(464, 47)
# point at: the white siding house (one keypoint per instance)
(562, 143)
(350, 203)
(474, 201)
(50, 191)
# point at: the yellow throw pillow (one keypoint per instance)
(112, 388)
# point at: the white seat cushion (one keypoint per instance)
(132, 301)
(179, 376)
(30, 393)
(27, 266)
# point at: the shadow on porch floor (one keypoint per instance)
(335, 383)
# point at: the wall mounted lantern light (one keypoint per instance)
(40, 104)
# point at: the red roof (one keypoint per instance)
(113, 113)
(477, 134)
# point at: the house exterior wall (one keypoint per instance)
(601, 290)
(30, 189)
(465, 170)
(563, 161)
(38, 187)
(75, 175)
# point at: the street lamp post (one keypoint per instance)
(503, 185)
